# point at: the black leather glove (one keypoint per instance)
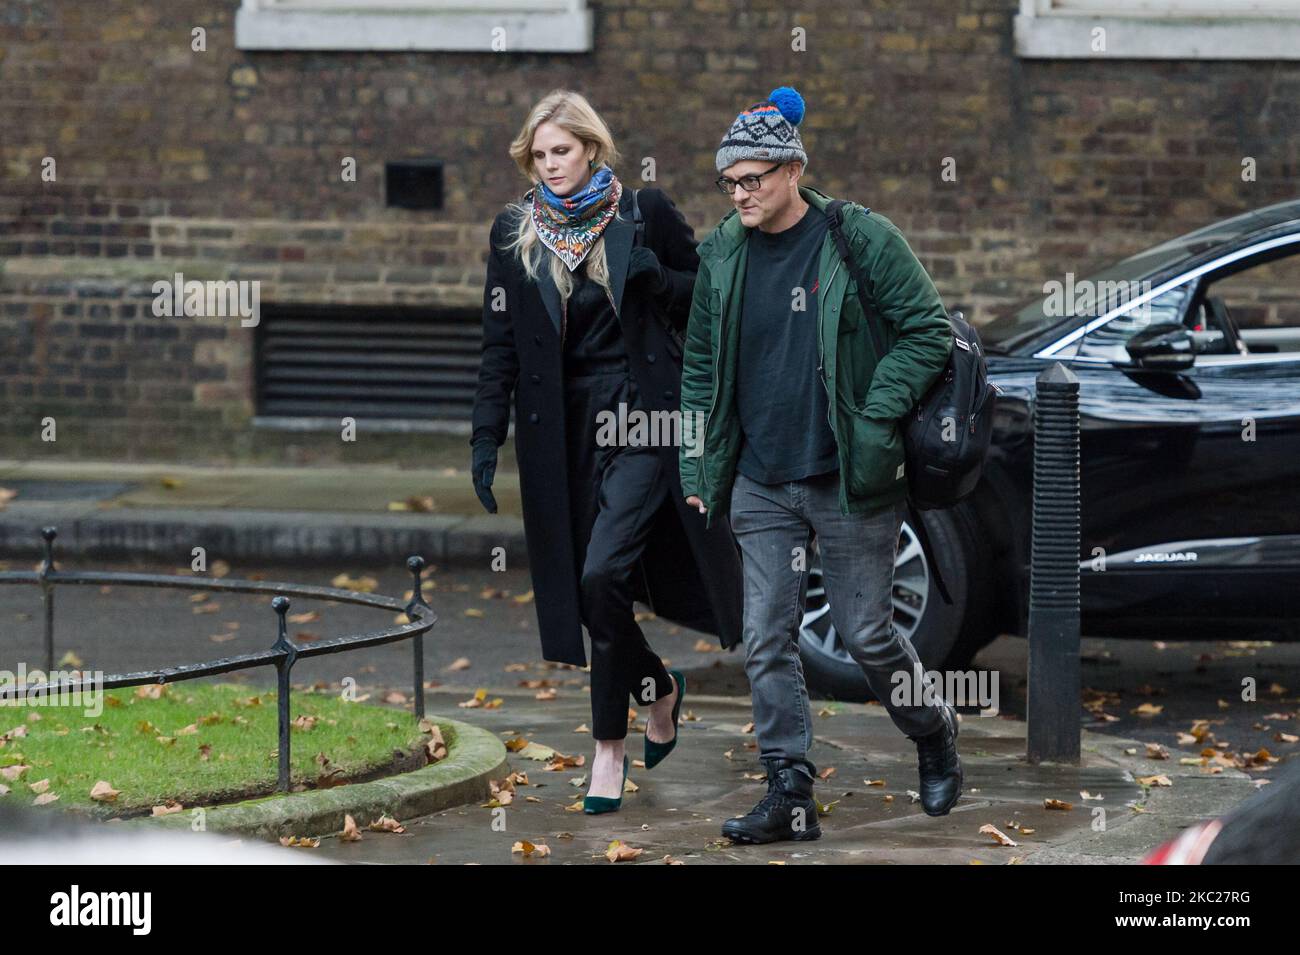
(484, 469)
(644, 266)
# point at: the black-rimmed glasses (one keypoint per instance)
(748, 183)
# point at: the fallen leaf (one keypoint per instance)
(1158, 780)
(998, 835)
(364, 585)
(300, 842)
(103, 792)
(619, 851)
(434, 747)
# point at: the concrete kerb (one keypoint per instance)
(475, 758)
(1194, 796)
(87, 531)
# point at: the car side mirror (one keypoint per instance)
(1164, 346)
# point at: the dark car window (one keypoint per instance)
(1039, 314)
(1263, 301)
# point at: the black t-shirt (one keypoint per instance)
(780, 396)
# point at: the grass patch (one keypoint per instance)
(200, 744)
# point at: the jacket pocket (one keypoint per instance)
(856, 357)
(875, 455)
(851, 312)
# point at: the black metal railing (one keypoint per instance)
(282, 654)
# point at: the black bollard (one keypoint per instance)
(1054, 681)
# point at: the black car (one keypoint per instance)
(1188, 359)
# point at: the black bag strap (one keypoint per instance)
(638, 238)
(836, 209)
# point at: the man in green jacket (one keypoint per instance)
(790, 429)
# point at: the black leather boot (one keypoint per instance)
(940, 766)
(788, 811)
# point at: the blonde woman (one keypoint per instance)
(578, 309)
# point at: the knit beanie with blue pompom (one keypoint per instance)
(766, 131)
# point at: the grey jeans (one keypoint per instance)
(771, 522)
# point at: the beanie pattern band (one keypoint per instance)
(761, 132)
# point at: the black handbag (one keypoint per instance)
(946, 435)
(676, 340)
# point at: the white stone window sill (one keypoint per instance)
(1063, 36)
(546, 26)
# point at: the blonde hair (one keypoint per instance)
(571, 112)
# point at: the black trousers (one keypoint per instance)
(614, 494)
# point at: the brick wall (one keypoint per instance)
(224, 164)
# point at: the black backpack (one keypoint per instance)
(946, 435)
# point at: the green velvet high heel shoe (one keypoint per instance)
(593, 805)
(655, 752)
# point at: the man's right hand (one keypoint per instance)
(483, 470)
(695, 502)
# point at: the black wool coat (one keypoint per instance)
(688, 574)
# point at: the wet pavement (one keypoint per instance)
(678, 808)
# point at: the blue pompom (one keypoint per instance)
(789, 102)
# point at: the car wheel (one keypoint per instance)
(934, 627)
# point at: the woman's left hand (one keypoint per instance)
(643, 265)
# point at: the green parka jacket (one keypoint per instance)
(867, 394)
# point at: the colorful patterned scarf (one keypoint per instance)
(570, 225)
